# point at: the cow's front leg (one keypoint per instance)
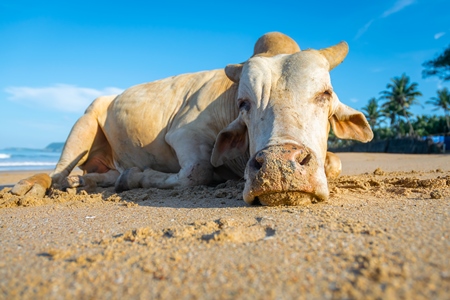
(193, 151)
(90, 181)
(195, 173)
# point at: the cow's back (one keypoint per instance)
(138, 120)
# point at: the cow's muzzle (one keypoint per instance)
(285, 175)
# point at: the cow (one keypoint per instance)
(266, 120)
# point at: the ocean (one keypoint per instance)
(27, 159)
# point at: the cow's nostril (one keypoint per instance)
(257, 162)
(257, 165)
(306, 160)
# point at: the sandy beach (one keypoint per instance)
(383, 234)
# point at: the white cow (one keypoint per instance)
(267, 119)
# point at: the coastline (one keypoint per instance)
(353, 163)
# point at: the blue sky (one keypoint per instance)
(57, 56)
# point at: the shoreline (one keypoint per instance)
(353, 163)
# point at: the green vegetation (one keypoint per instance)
(373, 113)
(442, 101)
(440, 66)
(399, 96)
(390, 115)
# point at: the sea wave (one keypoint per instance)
(5, 156)
(26, 163)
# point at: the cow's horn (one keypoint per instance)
(335, 54)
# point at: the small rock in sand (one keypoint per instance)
(378, 171)
(436, 194)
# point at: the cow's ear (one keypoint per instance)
(231, 143)
(350, 124)
(233, 72)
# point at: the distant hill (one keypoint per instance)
(54, 147)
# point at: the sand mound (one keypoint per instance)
(377, 183)
(383, 184)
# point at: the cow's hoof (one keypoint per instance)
(35, 186)
(89, 185)
(73, 181)
(128, 180)
(333, 166)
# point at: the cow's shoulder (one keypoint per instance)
(99, 107)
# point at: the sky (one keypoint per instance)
(56, 57)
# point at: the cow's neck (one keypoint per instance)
(226, 110)
(224, 107)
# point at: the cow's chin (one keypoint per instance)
(293, 198)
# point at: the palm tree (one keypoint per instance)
(372, 112)
(422, 125)
(390, 110)
(440, 66)
(442, 101)
(400, 95)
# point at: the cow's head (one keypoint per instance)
(286, 103)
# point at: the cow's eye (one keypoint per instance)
(244, 104)
(324, 96)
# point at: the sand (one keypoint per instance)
(383, 234)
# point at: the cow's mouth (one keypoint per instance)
(292, 198)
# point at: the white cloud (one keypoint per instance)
(377, 70)
(60, 97)
(439, 83)
(398, 6)
(364, 29)
(354, 100)
(438, 35)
